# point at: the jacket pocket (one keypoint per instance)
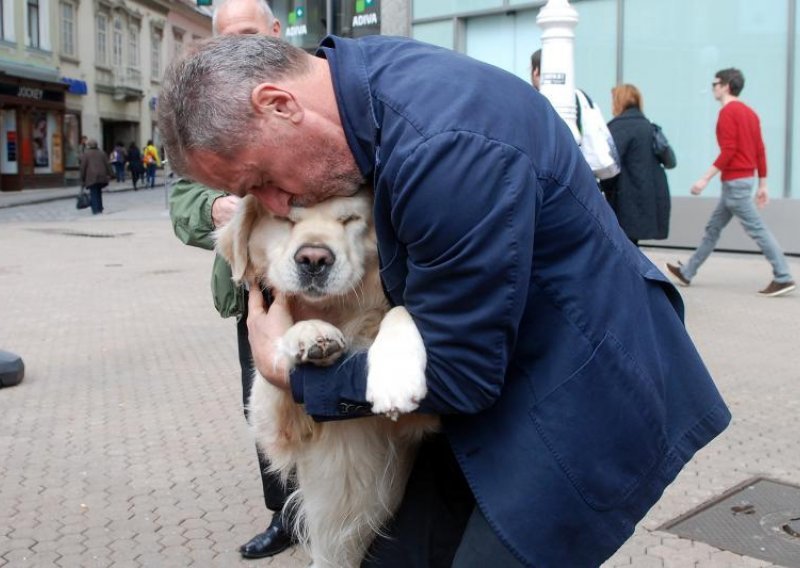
(604, 426)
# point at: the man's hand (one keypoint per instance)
(222, 210)
(762, 196)
(699, 186)
(265, 328)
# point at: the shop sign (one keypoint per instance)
(30, 93)
(364, 16)
(297, 26)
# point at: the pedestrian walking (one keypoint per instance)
(118, 158)
(741, 154)
(639, 195)
(151, 162)
(95, 174)
(135, 164)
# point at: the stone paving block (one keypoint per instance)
(154, 412)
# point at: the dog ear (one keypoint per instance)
(232, 239)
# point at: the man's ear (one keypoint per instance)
(271, 101)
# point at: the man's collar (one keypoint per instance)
(353, 98)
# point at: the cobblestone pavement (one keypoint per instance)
(125, 444)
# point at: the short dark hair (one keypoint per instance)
(733, 78)
(536, 60)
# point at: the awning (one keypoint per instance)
(76, 86)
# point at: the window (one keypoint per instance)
(102, 39)
(33, 24)
(155, 54)
(68, 28)
(177, 44)
(133, 47)
(116, 43)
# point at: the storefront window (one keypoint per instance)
(358, 18)
(675, 76)
(305, 23)
(429, 9)
(72, 135)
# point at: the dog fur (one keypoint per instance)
(350, 474)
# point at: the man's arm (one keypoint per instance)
(190, 209)
(700, 184)
(468, 275)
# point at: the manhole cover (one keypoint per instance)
(760, 518)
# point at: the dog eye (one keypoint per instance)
(344, 220)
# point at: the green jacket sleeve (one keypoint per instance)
(190, 211)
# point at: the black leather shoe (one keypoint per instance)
(272, 541)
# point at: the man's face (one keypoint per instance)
(536, 78)
(299, 170)
(718, 89)
(245, 17)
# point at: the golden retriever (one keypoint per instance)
(350, 474)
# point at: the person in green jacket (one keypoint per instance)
(196, 211)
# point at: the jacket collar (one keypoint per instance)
(354, 98)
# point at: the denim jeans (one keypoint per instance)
(119, 170)
(151, 175)
(736, 201)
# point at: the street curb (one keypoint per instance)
(35, 200)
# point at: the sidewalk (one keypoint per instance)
(125, 444)
(33, 196)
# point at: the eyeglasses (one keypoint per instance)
(716, 84)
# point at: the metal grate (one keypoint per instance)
(760, 518)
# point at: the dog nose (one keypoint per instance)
(314, 260)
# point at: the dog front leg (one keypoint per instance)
(396, 366)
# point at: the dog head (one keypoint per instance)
(315, 252)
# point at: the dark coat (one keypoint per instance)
(135, 160)
(95, 168)
(569, 389)
(639, 195)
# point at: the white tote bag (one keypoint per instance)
(597, 145)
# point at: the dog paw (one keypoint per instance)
(313, 341)
(396, 377)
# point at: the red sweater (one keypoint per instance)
(740, 143)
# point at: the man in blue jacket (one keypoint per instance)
(570, 392)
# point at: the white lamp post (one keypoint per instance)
(558, 20)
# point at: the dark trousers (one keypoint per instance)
(119, 170)
(275, 494)
(428, 527)
(438, 524)
(96, 197)
(151, 175)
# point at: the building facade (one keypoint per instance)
(670, 51)
(70, 68)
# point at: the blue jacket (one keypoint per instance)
(570, 391)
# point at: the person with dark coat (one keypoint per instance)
(135, 164)
(95, 174)
(639, 195)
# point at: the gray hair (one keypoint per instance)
(262, 4)
(205, 102)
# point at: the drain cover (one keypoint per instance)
(760, 518)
